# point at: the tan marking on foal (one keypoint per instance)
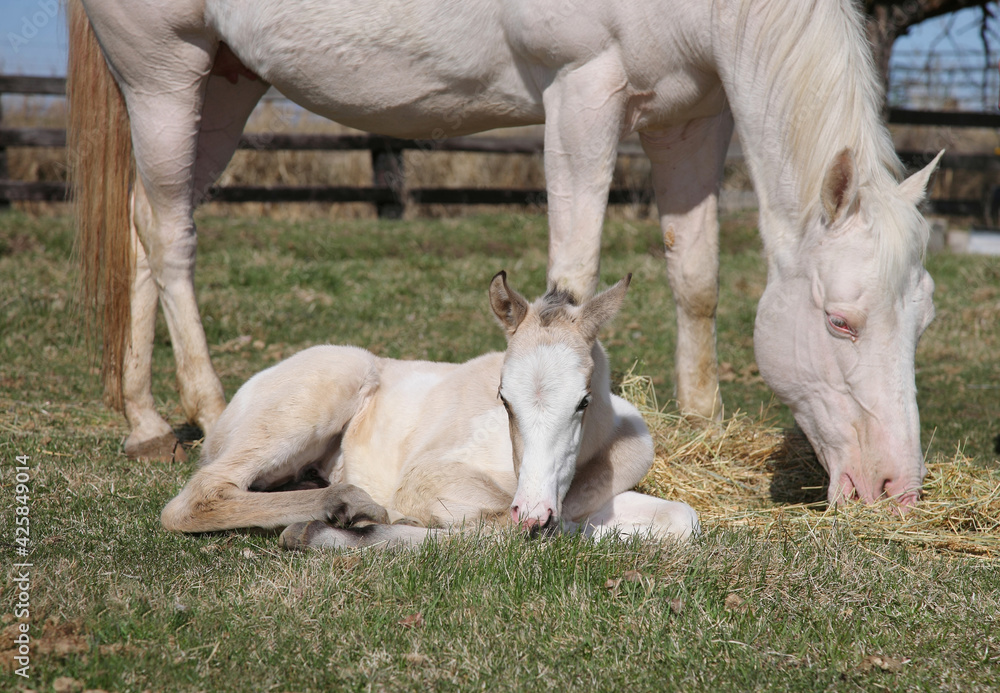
(668, 237)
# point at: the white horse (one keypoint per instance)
(365, 438)
(847, 295)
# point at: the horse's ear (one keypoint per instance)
(840, 186)
(509, 306)
(914, 187)
(602, 307)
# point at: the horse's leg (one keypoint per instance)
(164, 108)
(150, 437)
(584, 113)
(320, 535)
(687, 163)
(225, 110)
(224, 114)
(632, 513)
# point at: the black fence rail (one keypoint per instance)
(389, 192)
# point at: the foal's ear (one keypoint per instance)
(602, 307)
(840, 186)
(509, 306)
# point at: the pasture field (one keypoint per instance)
(807, 599)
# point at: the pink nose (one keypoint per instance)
(530, 523)
(903, 494)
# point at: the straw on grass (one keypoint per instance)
(749, 473)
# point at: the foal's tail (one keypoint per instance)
(101, 170)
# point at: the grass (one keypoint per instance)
(806, 600)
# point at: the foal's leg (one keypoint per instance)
(632, 513)
(283, 420)
(616, 468)
(584, 112)
(599, 501)
(211, 505)
(687, 163)
(320, 535)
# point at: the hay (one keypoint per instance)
(749, 473)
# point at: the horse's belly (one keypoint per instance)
(432, 116)
(418, 70)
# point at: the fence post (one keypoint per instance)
(387, 172)
(4, 172)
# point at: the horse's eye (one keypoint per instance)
(841, 327)
(584, 403)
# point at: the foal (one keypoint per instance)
(344, 442)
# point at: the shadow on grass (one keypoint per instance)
(189, 434)
(796, 474)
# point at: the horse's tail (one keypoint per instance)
(101, 169)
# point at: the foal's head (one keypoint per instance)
(554, 386)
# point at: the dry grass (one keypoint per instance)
(746, 473)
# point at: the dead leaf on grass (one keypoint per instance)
(629, 576)
(736, 603)
(65, 684)
(118, 649)
(62, 638)
(883, 663)
(412, 621)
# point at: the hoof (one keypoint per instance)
(299, 536)
(408, 522)
(347, 506)
(165, 448)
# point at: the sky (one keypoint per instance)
(33, 36)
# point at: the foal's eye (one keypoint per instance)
(841, 327)
(584, 403)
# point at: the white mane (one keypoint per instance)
(822, 88)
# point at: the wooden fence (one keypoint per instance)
(389, 192)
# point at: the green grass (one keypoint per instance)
(118, 604)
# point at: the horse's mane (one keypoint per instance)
(554, 306)
(822, 86)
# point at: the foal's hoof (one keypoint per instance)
(408, 521)
(347, 505)
(165, 448)
(299, 536)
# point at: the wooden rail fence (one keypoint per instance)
(389, 192)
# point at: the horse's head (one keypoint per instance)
(554, 386)
(837, 331)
